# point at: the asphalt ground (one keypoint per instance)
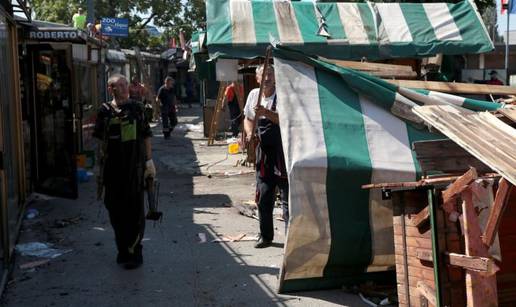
(199, 186)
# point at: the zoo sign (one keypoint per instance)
(118, 27)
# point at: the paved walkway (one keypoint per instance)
(178, 270)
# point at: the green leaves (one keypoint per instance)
(169, 15)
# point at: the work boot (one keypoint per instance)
(122, 258)
(262, 243)
(135, 259)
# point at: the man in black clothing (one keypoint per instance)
(126, 160)
(167, 95)
(270, 162)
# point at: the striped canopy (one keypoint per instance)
(243, 28)
(342, 129)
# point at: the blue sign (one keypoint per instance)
(118, 27)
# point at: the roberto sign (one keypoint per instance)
(57, 35)
(115, 27)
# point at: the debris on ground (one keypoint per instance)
(202, 237)
(238, 238)
(31, 213)
(33, 197)
(33, 264)
(62, 223)
(375, 295)
(229, 174)
(189, 127)
(38, 249)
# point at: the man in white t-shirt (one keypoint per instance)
(270, 162)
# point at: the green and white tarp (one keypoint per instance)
(342, 129)
(243, 28)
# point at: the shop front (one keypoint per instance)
(61, 70)
(12, 179)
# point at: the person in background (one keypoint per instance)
(493, 80)
(167, 98)
(126, 162)
(136, 90)
(79, 19)
(234, 109)
(270, 162)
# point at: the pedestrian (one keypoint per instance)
(234, 108)
(79, 19)
(136, 90)
(493, 78)
(167, 97)
(125, 152)
(270, 162)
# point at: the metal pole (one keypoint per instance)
(91, 12)
(508, 11)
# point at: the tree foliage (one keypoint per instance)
(170, 15)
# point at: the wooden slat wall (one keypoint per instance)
(418, 239)
(506, 277)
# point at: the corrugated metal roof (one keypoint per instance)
(482, 134)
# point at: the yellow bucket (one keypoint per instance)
(233, 148)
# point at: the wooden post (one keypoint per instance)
(216, 113)
(495, 216)
(480, 288)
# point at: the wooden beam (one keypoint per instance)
(423, 182)
(475, 263)
(427, 292)
(378, 69)
(459, 185)
(510, 113)
(480, 288)
(369, 66)
(421, 217)
(456, 88)
(424, 254)
(495, 216)
(446, 156)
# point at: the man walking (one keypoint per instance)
(166, 97)
(125, 152)
(270, 162)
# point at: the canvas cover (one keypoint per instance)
(342, 129)
(243, 28)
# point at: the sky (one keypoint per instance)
(502, 19)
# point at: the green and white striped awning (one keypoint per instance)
(243, 28)
(342, 129)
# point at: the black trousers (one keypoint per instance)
(265, 198)
(236, 116)
(168, 119)
(127, 216)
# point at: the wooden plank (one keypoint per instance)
(216, 114)
(459, 185)
(446, 156)
(427, 292)
(480, 264)
(481, 134)
(424, 254)
(456, 87)
(497, 210)
(368, 66)
(411, 231)
(510, 113)
(421, 183)
(480, 288)
(421, 217)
